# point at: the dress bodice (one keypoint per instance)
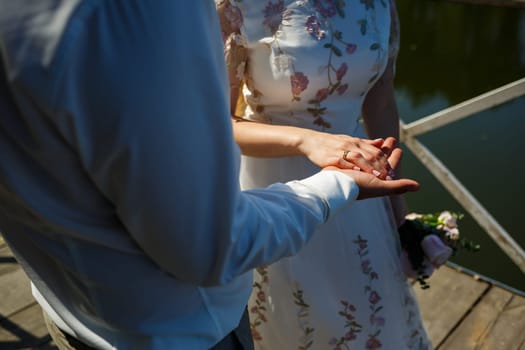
(308, 63)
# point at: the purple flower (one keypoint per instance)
(435, 250)
(340, 73)
(322, 94)
(373, 343)
(350, 48)
(326, 8)
(313, 27)
(273, 15)
(299, 83)
(374, 297)
(378, 321)
(342, 88)
(365, 265)
(350, 336)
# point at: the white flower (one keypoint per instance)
(447, 219)
(444, 216)
(452, 233)
(435, 250)
(413, 216)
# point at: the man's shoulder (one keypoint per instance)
(30, 31)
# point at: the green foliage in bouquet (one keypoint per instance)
(419, 238)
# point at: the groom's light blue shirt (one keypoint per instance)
(119, 175)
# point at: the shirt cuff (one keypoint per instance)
(335, 189)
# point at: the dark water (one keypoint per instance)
(451, 52)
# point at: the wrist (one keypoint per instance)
(304, 142)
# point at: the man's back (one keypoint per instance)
(67, 234)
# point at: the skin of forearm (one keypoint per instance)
(263, 140)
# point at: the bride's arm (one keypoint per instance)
(322, 149)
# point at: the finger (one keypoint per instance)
(357, 159)
(376, 143)
(395, 158)
(379, 188)
(401, 186)
(389, 145)
(344, 164)
(370, 186)
(379, 163)
(371, 160)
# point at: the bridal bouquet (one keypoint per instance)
(428, 241)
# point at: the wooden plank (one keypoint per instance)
(7, 261)
(25, 329)
(474, 330)
(450, 297)
(15, 293)
(508, 331)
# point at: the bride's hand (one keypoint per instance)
(347, 152)
(371, 186)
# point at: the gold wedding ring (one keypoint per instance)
(345, 153)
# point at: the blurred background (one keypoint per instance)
(451, 52)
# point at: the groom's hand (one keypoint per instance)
(372, 186)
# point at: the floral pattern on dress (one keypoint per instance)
(307, 338)
(274, 13)
(315, 25)
(354, 328)
(376, 321)
(319, 26)
(258, 311)
(416, 338)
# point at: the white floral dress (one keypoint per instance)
(311, 64)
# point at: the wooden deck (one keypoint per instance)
(460, 311)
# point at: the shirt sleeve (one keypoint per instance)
(141, 96)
